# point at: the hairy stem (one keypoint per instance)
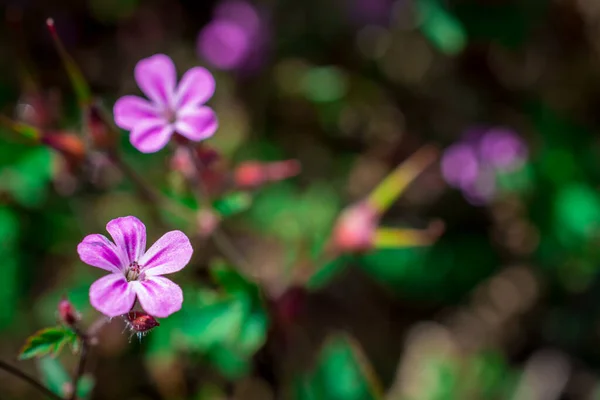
(22, 375)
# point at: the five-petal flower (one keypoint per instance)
(171, 108)
(135, 271)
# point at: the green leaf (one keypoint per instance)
(342, 373)
(577, 213)
(233, 203)
(232, 364)
(85, 385)
(54, 375)
(49, 341)
(27, 179)
(444, 30)
(9, 294)
(215, 323)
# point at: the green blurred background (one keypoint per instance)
(504, 305)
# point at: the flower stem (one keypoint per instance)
(153, 199)
(22, 375)
(80, 368)
(220, 238)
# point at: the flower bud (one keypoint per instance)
(140, 322)
(355, 228)
(207, 221)
(251, 174)
(68, 144)
(67, 312)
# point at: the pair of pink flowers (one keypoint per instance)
(136, 273)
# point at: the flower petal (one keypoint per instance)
(151, 135)
(112, 295)
(96, 250)
(196, 86)
(169, 254)
(130, 110)
(196, 123)
(129, 234)
(158, 296)
(156, 76)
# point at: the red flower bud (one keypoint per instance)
(68, 144)
(67, 312)
(251, 174)
(140, 322)
(355, 228)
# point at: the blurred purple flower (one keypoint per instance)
(460, 165)
(234, 37)
(472, 164)
(503, 149)
(172, 108)
(135, 271)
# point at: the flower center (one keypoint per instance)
(170, 115)
(133, 272)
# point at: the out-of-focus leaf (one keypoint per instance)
(577, 213)
(54, 375)
(230, 363)
(85, 386)
(49, 341)
(27, 179)
(444, 30)
(233, 203)
(9, 294)
(215, 323)
(342, 373)
(326, 273)
(253, 332)
(423, 272)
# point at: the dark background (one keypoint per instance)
(504, 305)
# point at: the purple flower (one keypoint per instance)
(460, 165)
(135, 271)
(503, 149)
(236, 38)
(172, 108)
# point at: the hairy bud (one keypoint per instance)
(67, 312)
(140, 323)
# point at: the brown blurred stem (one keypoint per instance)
(85, 343)
(153, 199)
(220, 238)
(22, 375)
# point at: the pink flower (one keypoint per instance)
(135, 271)
(172, 108)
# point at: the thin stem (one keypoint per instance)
(22, 375)
(147, 193)
(220, 238)
(80, 366)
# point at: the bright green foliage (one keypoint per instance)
(49, 341)
(28, 177)
(226, 327)
(232, 204)
(54, 375)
